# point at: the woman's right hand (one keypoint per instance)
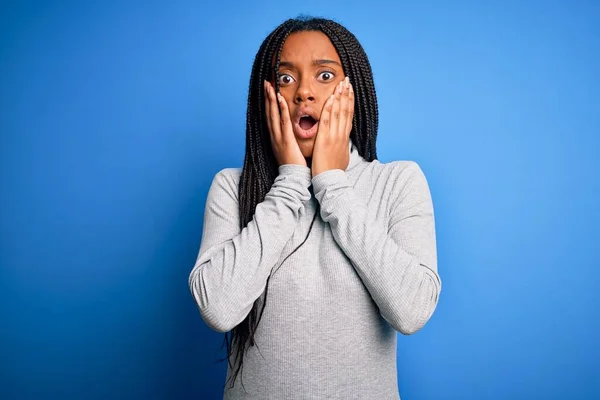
(283, 141)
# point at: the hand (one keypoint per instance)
(331, 149)
(284, 144)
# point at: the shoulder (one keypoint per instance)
(401, 172)
(405, 181)
(402, 167)
(228, 174)
(226, 182)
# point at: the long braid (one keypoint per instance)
(258, 175)
(365, 121)
(260, 166)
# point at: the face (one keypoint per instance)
(310, 69)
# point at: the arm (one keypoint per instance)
(232, 265)
(398, 263)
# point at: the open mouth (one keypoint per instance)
(307, 122)
(306, 127)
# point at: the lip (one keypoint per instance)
(306, 111)
(305, 133)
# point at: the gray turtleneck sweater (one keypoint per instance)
(368, 269)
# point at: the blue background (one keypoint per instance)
(115, 117)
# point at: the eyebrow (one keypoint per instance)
(314, 62)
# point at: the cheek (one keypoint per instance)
(290, 101)
(322, 105)
(289, 98)
(325, 94)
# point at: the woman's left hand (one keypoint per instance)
(331, 149)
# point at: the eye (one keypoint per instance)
(285, 79)
(326, 76)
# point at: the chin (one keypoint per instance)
(306, 148)
(307, 153)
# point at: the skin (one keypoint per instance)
(311, 75)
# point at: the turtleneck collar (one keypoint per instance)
(355, 158)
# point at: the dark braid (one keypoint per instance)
(260, 166)
(357, 67)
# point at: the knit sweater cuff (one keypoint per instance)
(331, 190)
(301, 172)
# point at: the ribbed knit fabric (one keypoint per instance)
(367, 270)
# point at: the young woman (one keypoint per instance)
(314, 253)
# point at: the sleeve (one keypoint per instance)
(233, 265)
(398, 262)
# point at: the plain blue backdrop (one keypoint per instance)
(115, 116)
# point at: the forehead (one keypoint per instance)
(307, 46)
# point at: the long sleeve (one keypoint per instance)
(396, 259)
(233, 265)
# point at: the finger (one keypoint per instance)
(286, 121)
(344, 109)
(335, 110)
(274, 111)
(350, 120)
(325, 121)
(267, 106)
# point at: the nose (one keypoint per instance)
(304, 92)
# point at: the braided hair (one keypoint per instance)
(260, 166)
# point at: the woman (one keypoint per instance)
(314, 253)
